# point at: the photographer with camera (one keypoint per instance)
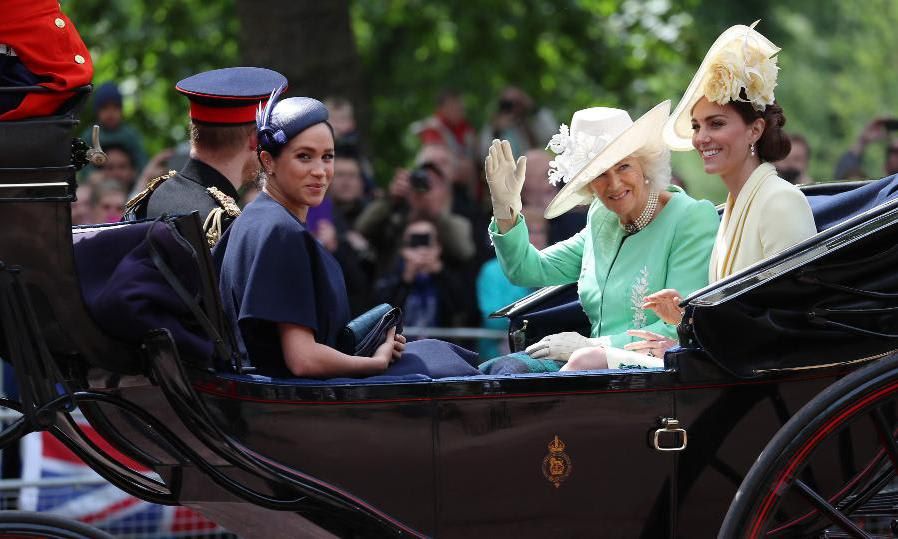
(519, 121)
(851, 164)
(430, 293)
(420, 193)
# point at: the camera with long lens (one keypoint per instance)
(419, 177)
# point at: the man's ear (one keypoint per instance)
(253, 140)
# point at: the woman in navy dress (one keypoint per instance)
(282, 290)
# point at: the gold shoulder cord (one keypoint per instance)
(151, 186)
(227, 208)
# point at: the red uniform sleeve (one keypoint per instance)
(48, 45)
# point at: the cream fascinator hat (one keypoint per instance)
(741, 58)
(598, 139)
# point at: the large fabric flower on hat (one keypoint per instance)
(572, 153)
(742, 65)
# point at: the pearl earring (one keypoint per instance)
(752, 148)
(646, 181)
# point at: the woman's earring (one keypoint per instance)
(646, 181)
(752, 148)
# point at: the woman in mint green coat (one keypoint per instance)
(642, 235)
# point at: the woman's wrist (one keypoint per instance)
(505, 225)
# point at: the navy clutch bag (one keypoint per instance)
(363, 334)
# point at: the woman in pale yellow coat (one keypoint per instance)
(729, 116)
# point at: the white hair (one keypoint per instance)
(655, 162)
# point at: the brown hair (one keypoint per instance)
(220, 137)
(774, 143)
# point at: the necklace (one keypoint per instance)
(648, 213)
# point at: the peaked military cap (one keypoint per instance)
(230, 95)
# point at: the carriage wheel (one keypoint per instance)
(28, 524)
(830, 471)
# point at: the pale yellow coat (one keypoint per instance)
(769, 215)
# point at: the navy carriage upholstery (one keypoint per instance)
(125, 293)
(831, 207)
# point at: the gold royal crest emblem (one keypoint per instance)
(557, 465)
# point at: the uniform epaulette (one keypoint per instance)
(227, 203)
(151, 186)
(227, 208)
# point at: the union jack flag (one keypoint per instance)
(75, 491)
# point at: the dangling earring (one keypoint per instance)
(752, 148)
(646, 181)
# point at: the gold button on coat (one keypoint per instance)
(59, 23)
(79, 59)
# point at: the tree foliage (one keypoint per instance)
(149, 45)
(838, 61)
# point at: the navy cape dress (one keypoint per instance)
(272, 270)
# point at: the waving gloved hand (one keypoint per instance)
(505, 179)
(562, 345)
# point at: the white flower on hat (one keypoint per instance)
(742, 65)
(572, 153)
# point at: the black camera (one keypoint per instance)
(507, 105)
(419, 240)
(420, 178)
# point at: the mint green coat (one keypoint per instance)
(614, 272)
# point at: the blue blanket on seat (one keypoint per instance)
(830, 210)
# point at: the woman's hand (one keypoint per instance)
(398, 345)
(666, 304)
(561, 345)
(505, 178)
(654, 344)
(391, 349)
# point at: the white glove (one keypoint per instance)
(505, 179)
(562, 345)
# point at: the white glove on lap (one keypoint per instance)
(505, 179)
(562, 345)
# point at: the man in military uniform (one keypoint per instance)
(223, 105)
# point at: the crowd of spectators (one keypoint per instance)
(420, 241)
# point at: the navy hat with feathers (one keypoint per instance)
(282, 120)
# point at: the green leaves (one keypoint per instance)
(839, 65)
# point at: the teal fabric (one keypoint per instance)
(494, 291)
(614, 272)
(519, 363)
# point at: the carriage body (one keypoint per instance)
(650, 453)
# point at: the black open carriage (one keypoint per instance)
(631, 453)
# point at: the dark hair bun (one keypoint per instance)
(774, 143)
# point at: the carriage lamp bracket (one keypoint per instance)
(670, 432)
(95, 154)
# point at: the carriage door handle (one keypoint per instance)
(671, 437)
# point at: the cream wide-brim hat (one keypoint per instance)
(678, 129)
(628, 137)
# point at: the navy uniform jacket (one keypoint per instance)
(185, 192)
